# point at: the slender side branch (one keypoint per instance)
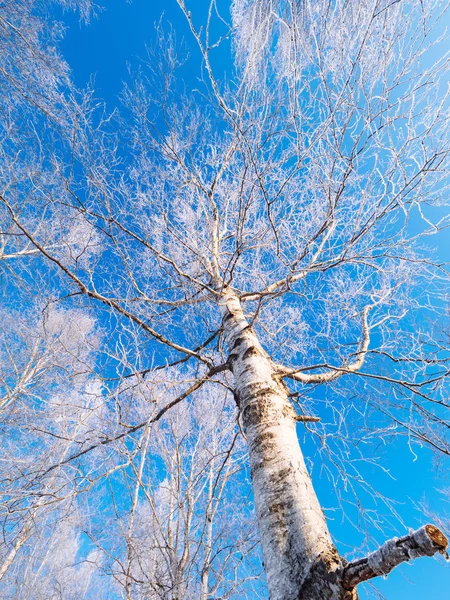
(333, 372)
(154, 419)
(306, 419)
(96, 296)
(426, 541)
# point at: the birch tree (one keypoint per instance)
(189, 533)
(156, 525)
(269, 233)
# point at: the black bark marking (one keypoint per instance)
(252, 351)
(280, 475)
(238, 342)
(263, 442)
(247, 328)
(255, 413)
(324, 580)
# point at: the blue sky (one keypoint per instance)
(116, 38)
(102, 49)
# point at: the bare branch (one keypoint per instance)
(334, 372)
(95, 295)
(426, 541)
(195, 386)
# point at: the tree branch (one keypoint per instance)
(213, 371)
(96, 296)
(426, 541)
(334, 372)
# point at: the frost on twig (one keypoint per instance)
(332, 373)
(426, 541)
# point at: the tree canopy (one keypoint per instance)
(287, 202)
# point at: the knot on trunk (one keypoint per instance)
(324, 579)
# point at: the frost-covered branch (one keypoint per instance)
(426, 541)
(91, 293)
(153, 419)
(332, 373)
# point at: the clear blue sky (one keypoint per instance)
(117, 36)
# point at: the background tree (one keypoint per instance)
(191, 535)
(268, 233)
(164, 520)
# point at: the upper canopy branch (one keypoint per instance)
(92, 293)
(328, 228)
(332, 373)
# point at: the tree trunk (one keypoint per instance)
(209, 535)
(9, 559)
(300, 559)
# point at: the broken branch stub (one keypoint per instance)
(426, 541)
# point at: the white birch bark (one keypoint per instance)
(301, 562)
(209, 535)
(294, 533)
(12, 554)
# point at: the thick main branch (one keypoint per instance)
(426, 541)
